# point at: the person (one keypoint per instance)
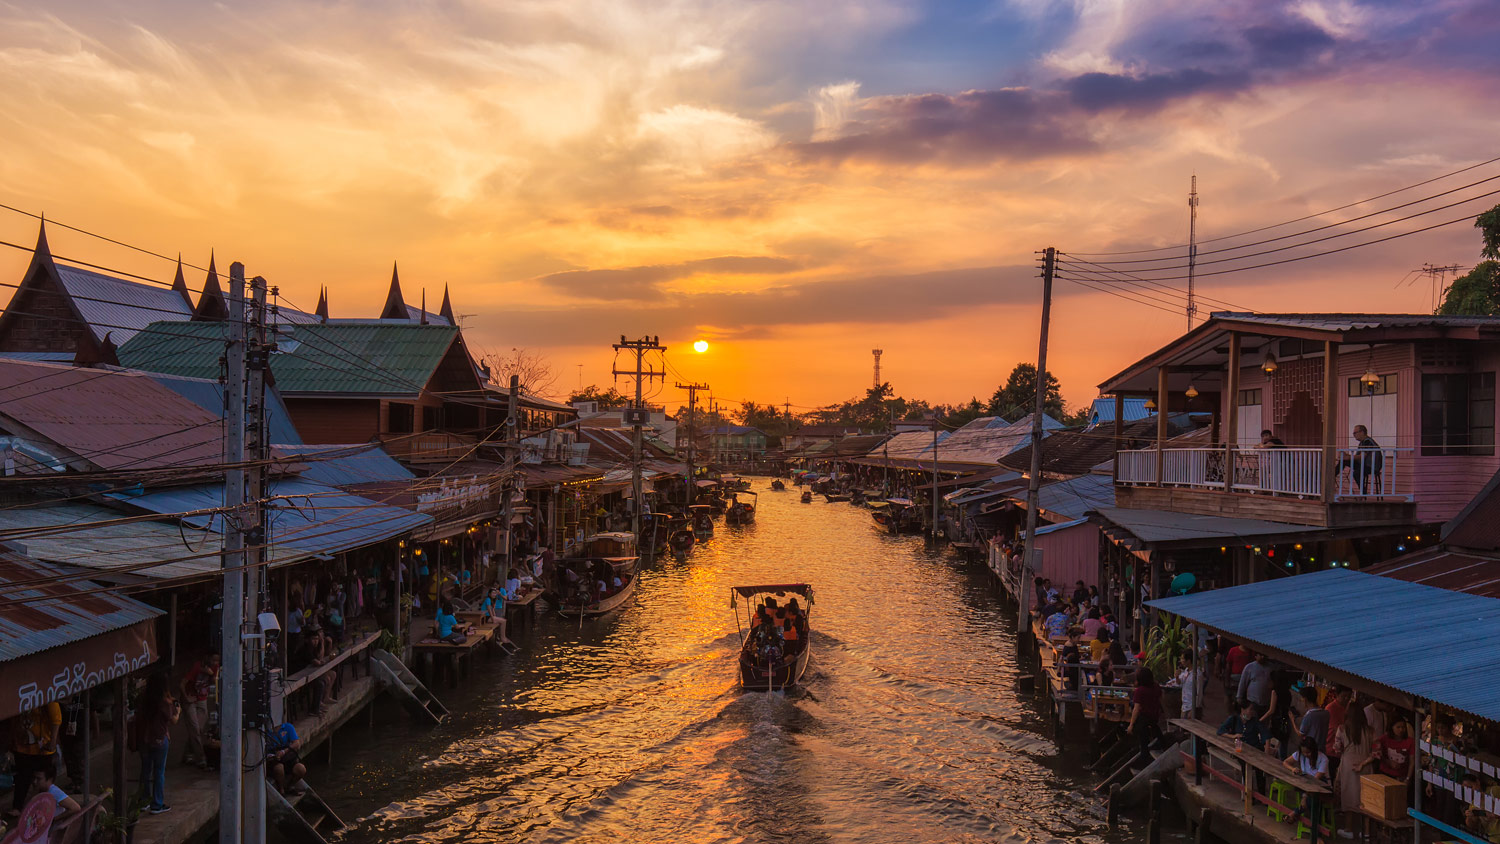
(1475, 819)
(283, 759)
(1246, 726)
(33, 743)
(154, 717)
(616, 583)
(1269, 440)
(1041, 591)
(1056, 625)
(1145, 713)
(1255, 684)
(1068, 658)
(1091, 624)
(493, 605)
(44, 780)
(1394, 753)
(447, 624)
(1099, 645)
(1278, 716)
(1094, 597)
(1367, 461)
(1338, 710)
(513, 585)
(197, 687)
(1080, 594)
(1310, 760)
(1191, 682)
(1052, 593)
(1353, 740)
(1315, 719)
(71, 737)
(294, 624)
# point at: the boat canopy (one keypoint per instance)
(803, 589)
(903, 502)
(708, 483)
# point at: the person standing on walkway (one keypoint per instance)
(33, 743)
(154, 718)
(197, 689)
(1353, 740)
(1255, 684)
(1145, 713)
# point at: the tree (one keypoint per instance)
(767, 418)
(959, 415)
(1018, 397)
(606, 399)
(532, 369)
(1477, 292)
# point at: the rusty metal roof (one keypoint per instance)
(1475, 574)
(107, 418)
(67, 612)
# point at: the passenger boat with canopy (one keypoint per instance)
(897, 515)
(777, 648)
(742, 511)
(587, 585)
(703, 521)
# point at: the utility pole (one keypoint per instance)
(692, 402)
(637, 416)
(512, 453)
(257, 517)
(934, 479)
(1034, 483)
(1192, 302)
(231, 707)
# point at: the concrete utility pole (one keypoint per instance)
(512, 447)
(692, 402)
(934, 480)
(1034, 483)
(257, 515)
(1192, 300)
(637, 416)
(231, 707)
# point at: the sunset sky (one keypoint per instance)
(796, 182)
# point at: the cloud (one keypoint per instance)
(1095, 92)
(644, 283)
(971, 128)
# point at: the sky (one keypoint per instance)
(795, 182)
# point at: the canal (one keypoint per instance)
(631, 727)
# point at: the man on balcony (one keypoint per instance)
(1367, 460)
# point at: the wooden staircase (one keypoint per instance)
(301, 818)
(394, 675)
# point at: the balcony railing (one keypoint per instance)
(1360, 474)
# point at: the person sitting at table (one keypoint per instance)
(1099, 646)
(493, 605)
(1092, 624)
(1057, 624)
(447, 625)
(1068, 658)
(1310, 761)
(1245, 726)
(513, 585)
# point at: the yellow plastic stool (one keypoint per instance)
(1283, 794)
(1325, 818)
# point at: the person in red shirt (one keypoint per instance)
(1145, 713)
(1338, 708)
(1395, 752)
(1239, 656)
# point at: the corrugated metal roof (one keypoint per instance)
(209, 395)
(68, 614)
(1060, 526)
(384, 358)
(1458, 572)
(1350, 322)
(349, 465)
(110, 419)
(309, 516)
(118, 551)
(1156, 527)
(1104, 409)
(1075, 497)
(1416, 639)
(117, 307)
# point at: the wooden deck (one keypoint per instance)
(455, 658)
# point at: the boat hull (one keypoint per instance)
(786, 675)
(608, 604)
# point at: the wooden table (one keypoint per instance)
(1368, 818)
(1206, 736)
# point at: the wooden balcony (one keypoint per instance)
(429, 447)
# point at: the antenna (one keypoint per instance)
(1192, 303)
(1439, 278)
(877, 353)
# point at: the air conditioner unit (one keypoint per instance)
(636, 416)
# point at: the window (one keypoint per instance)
(432, 418)
(1386, 386)
(400, 418)
(1249, 398)
(1458, 413)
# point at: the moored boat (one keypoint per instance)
(835, 497)
(897, 515)
(806, 496)
(594, 585)
(775, 652)
(703, 521)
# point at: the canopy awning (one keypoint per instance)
(803, 589)
(1411, 640)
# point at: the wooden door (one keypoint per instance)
(1304, 422)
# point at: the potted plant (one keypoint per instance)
(111, 828)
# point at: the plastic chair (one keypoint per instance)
(1281, 794)
(1325, 819)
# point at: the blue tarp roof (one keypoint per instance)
(311, 517)
(1104, 409)
(1427, 642)
(348, 465)
(1075, 497)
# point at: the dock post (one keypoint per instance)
(1112, 807)
(1153, 824)
(1205, 821)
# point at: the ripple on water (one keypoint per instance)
(633, 728)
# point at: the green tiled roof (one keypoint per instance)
(362, 358)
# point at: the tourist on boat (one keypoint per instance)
(447, 625)
(1246, 726)
(1394, 753)
(1145, 713)
(1353, 740)
(44, 781)
(617, 584)
(284, 759)
(493, 605)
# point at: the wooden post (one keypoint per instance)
(1153, 822)
(1232, 412)
(1161, 421)
(121, 797)
(1202, 835)
(172, 631)
(1330, 419)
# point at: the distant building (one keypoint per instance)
(812, 434)
(658, 425)
(731, 443)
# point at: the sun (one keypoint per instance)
(700, 346)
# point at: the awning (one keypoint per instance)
(1165, 529)
(1060, 526)
(74, 638)
(1418, 641)
(1458, 572)
(309, 517)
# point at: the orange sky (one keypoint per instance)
(795, 183)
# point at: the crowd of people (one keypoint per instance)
(776, 632)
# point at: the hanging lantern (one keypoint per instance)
(1370, 380)
(1268, 366)
(1150, 404)
(1192, 392)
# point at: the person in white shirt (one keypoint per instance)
(44, 780)
(1190, 680)
(1310, 761)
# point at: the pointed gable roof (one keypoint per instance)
(446, 311)
(180, 284)
(395, 305)
(322, 309)
(211, 307)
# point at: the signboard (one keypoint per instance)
(57, 673)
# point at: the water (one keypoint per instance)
(632, 728)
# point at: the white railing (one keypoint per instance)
(1364, 474)
(1360, 474)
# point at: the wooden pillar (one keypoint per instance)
(1330, 418)
(172, 631)
(122, 796)
(1161, 420)
(1119, 430)
(1232, 412)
